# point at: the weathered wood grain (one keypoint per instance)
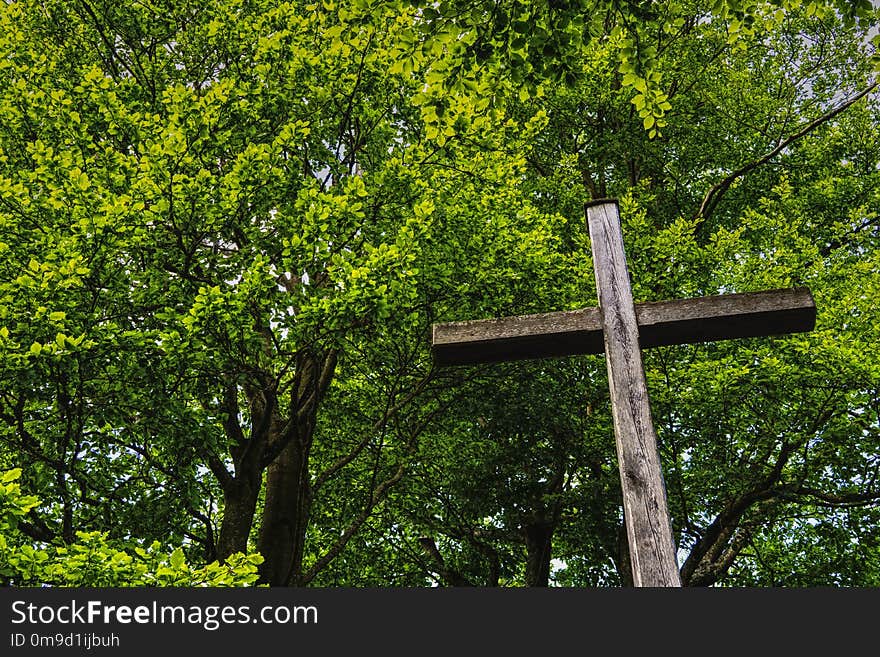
(568, 333)
(620, 329)
(649, 531)
(515, 338)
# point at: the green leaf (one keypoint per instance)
(177, 559)
(10, 475)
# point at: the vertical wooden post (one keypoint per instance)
(648, 528)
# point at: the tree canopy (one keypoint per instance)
(227, 227)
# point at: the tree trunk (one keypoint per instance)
(539, 541)
(286, 514)
(242, 489)
(288, 486)
(239, 505)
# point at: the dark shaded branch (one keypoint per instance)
(718, 534)
(377, 496)
(231, 425)
(839, 499)
(379, 425)
(717, 191)
(36, 529)
(449, 575)
(307, 392)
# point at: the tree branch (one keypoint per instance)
(377, 495)
(717, 191)
(379, 425)
(451, 576)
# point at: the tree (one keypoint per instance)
(707, 210)
(203, 231)
(747, 429)
(226, 229)
(94, 560)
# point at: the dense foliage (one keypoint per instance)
(226, 228)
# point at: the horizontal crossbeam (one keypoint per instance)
(572, 332)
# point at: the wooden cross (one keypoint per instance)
(620, 328)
